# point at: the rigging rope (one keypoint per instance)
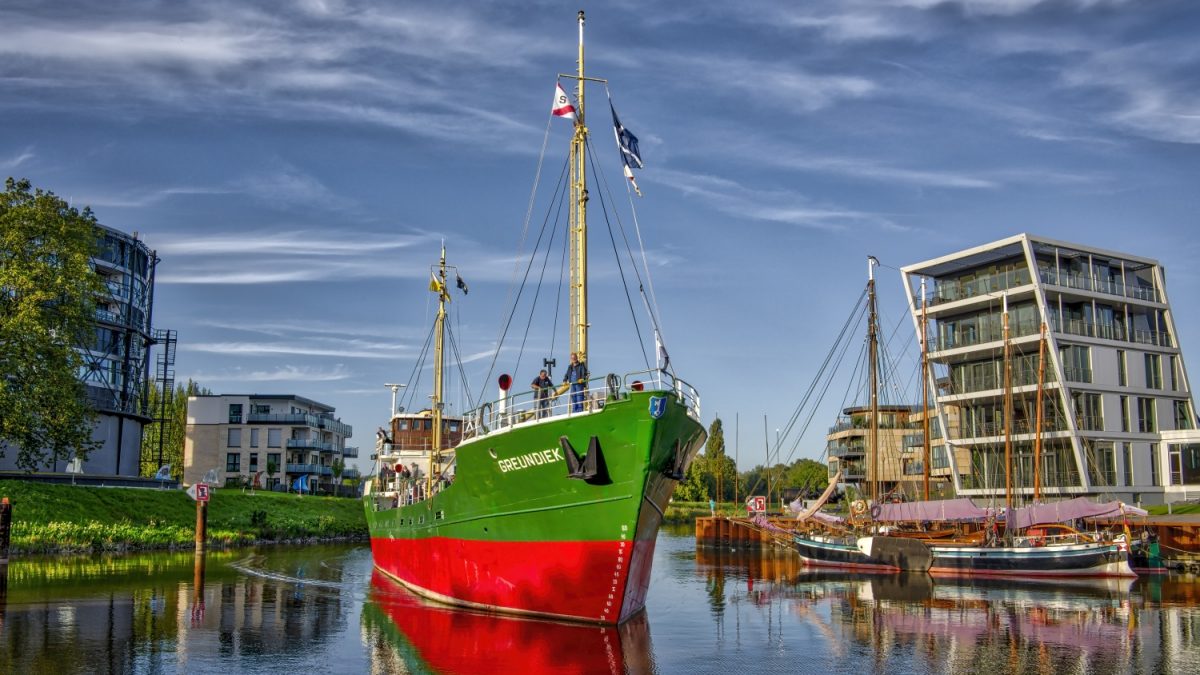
(616, 254)
(513, 310)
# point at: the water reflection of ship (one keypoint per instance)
(405, 633)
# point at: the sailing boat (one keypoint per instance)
(1029, 546)
(555, 504)
(852, 546)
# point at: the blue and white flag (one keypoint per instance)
(627, 143)
(301, 483)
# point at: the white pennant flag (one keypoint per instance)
(562, 105)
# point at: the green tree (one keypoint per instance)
(338, 467)
(810, 476)
(47, 311)
(176, 427)
(272, 469)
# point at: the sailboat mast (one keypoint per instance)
(439, 332)
(924, 392)
(873, 368)
(1037, 435)
(579, 193)
(1008, 411)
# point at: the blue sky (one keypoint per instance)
(297, 164)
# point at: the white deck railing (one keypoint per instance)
(531, 407)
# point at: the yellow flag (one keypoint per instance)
(434, 284)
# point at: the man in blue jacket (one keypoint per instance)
(577, 375)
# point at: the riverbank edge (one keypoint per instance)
(66, 520)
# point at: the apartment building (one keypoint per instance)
(242, 437)
(1117, 415)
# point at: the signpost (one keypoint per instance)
(199, 492)
(756, 504)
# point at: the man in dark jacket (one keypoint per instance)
(577, 375)
(542, 386)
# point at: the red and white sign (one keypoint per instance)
(198, 492)
(756, 504)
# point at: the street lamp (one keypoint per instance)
(395, 390)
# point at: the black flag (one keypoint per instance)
(461, 284)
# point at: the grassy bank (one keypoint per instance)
(67, 519)
(688, 512)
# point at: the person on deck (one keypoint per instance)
(542, 386)
(577, 375)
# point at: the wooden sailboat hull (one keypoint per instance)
(877, 553)
(1073, 560)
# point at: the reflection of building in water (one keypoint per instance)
(1095, 627)
(109, 614)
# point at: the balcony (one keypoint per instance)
(306, 419)
(307, 444)
(1114, 331)
(304, 468)
(350, 452)
(950, 291)
(969, 336)
(350, 473)
(1086, 283)
(854, 450)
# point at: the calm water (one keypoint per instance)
(320, 609)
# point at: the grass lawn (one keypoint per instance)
(64, 518)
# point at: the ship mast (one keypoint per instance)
(1008, 411)
(578, 217)
(924, 391)
(1037, 437)
(872, 360)
(439, 333)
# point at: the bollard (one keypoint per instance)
(5, 527)
(201, 526)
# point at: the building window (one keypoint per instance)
(1104, 464)
(1127, 457)
(1183, 415)
(1185, 463)
(274, 438)
(1124, 413)
(1077, 363)
(233, 462)
(235, 413)
(273, 458)
(234, 439)
(1153, 371)
(254, 438)
(253, 462)
(1173, 372)
(1155, 479)
(1147, 422)
(1122, 378)
(260, 409)
(1088, 414)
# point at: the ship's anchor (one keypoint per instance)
(586, 469)
(676, 470)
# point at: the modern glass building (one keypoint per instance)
(115, 366)
(1117, 415)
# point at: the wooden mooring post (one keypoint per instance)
(201, 526)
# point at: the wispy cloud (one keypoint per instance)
(16, 160)
(286, 373)
(778, 206)
(352, 349)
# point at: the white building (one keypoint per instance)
(1118, 417)
(241, 435)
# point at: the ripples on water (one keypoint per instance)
(321, 609)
